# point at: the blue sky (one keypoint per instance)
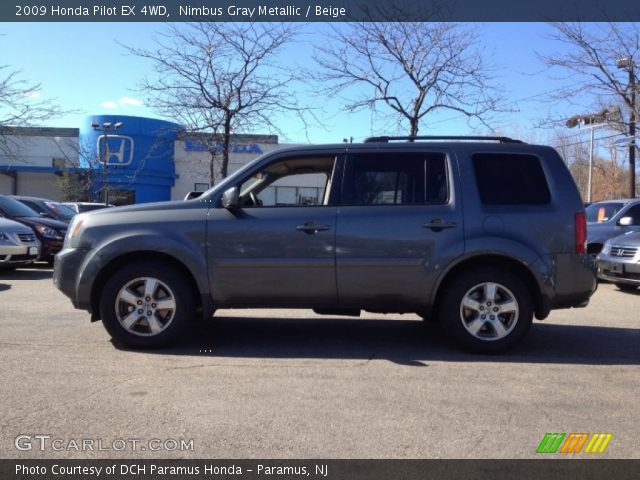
(82, 67)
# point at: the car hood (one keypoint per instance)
(630, 239)
(143, 207)
(10, 226)
(47, 222)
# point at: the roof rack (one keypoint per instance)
(387, 139)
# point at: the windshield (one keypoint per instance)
(61, 211)
(65, 212)
(602, 211)
(14, 208)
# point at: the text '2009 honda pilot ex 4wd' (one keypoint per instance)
(480, 234)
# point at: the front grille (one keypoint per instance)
(27, 237)
(623, 252)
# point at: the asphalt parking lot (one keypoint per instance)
(290, 384)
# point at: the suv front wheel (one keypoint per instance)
(146, 304)
(486, 310)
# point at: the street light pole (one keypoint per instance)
(590, 166)
(106, 126)
(105, 166)
(592, 121)
(632, 132)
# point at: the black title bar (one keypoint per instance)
(547, 469)
(318, 10)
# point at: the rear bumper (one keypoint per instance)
(568, 280)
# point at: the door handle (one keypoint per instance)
(312, 227)
(438, 225)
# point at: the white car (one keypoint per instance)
(18, 244)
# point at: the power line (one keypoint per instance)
(583, 141)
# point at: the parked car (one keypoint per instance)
(82, 207)
(480, 235)
(50, 233)
(610, 218)
(18, 244)
(47, 208)
(619, 261)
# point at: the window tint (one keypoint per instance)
(395, 179)
(602, 211)
(510, 179)
(634, 213)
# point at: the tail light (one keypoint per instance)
(581, 232)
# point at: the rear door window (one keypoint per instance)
(510, 179)
(395, 179)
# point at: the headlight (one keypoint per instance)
(74, 229)
(3, 236)
(48, 232)
(606, 248)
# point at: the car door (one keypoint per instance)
(277, 250)
(399, 225)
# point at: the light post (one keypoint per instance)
(593, 121)
(626, 63)
(106, 126)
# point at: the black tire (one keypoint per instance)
(625, 287)
(427, 318)
(472, 284)
(172, 286)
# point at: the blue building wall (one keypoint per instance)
(140, 156)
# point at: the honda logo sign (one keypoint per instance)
(115, 150)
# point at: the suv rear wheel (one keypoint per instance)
(146, 305)
(486, 310)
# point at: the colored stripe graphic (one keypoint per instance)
(598, 443)
(574, 443)
(550, 442)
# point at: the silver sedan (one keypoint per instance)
(18, 244)
(619, 261)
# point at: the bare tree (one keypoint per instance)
(20, 105)
(413, 68)
(601, 60)
(221, 78)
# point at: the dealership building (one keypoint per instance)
(147, 160)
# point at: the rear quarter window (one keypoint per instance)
(510, 179)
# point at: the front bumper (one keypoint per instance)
(18, 254)
(616, 270)
(66, 269)
(50, 247)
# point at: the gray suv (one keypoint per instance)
(478, 233)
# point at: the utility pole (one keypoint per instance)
(628, 64)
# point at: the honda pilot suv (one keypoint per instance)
(478, 233)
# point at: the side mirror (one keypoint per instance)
(625, 221)
(231, 198)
